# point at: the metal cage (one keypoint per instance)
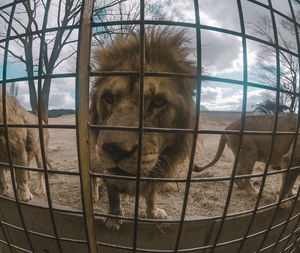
(36, 227)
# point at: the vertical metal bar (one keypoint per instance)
(82, 117)
(40, 121)
(296, 131)
(4, 76)
(243, 118)
(195, 132)
(141, 117)
(276, 44)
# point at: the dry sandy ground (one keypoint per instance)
(205, 198)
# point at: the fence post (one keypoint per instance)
(82, 117)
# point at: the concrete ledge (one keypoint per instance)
(150, 236)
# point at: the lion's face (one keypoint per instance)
(117, 104)
(168, 103)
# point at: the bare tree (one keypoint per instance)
(27, 26)
(289, 64)
(123, 11)
(26, 21)
(14, 89)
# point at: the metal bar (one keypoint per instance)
(47, 30)
(40, 123)
(183, 130)
(195, 131)
(82, 118)
(243, 118)
(141, 122)
(5, 124)
(26, 78)
(62, 172)
(275, 11)
(193, 179)
(42, 235)
(157, 74)
(193, 25)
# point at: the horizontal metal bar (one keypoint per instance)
(193, 179)
(180, 130)
(47, 30)
(193, 25)
(23, 79)
(58, 172)
(68, 211)
(42, 235)
(11, 4)
(51, 126)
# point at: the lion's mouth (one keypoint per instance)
(118, 171)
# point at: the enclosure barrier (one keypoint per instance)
(40, 227)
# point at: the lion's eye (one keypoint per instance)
(108, 98)
(159, 101)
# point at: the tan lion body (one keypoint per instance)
(24, 146)
(256, 148)
(168, 103)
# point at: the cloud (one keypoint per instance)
(229, 99)
(60, 100)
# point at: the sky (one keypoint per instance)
(222, 54)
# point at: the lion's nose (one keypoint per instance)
(118, 151)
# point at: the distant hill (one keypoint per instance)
(60, 112)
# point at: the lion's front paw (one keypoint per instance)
(113, 223)
(25, 195)
(157, 213)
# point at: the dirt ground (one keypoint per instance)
(206, 199)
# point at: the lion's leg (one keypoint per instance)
(3, 183)
(245, 166)
(41, 188)
(22, 177)
(114, 207)
(95, 189)
(152, 211)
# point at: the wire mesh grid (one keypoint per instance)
(289, 242)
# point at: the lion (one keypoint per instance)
(256, 148)
(168, 103)
(24, 145)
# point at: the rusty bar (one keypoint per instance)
(82, 118)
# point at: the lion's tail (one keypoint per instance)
(220, 150)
